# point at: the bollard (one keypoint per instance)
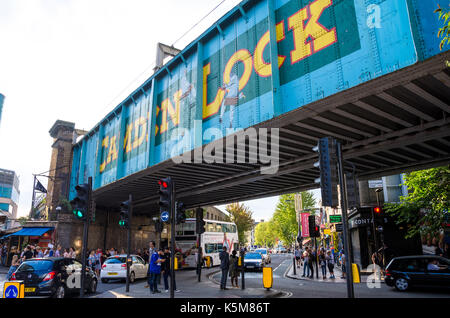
(208, 261)
(295, 271)
(267, 277)
(356, 273)
(175, 264)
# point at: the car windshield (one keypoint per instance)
(35, 266)
(115, 260)
(253, 256)
(261, 251)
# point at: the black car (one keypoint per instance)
(55, 277)
(423, 270)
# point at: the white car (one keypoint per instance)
(265, 253)
(115, 267)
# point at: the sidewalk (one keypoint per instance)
(187, 282)
(337, 274)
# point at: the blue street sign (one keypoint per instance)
(11, 292)
(165, 216)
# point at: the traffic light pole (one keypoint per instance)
(349, 275)
(130, 213)
(85, 238)
(199, 258)
(172, 240)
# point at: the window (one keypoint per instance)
(209, 248)
(219, 248)
(233, 228)
(32, 266)
(115, 260)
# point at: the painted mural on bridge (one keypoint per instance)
(225, 83)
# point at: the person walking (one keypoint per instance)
(98, 261)
(91, 259)
(151, 249)
(343, 266)
(330, 263)
(155, 271)
(234, 270)
(165, 270)
(224, 266)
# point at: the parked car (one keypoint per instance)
(423, 270)
(265, 253)
(254, 261)
(115, 267)
(55, 277)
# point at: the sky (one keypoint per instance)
(75, 60)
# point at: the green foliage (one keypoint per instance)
(265, 234)
(429, 190)
(444, 32)
(285, 219)
(23, 219)
(242, 217)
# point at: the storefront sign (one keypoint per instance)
(358, 222)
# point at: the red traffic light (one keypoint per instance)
(377, 209)
(163, 184)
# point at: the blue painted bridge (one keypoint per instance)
(366, 72)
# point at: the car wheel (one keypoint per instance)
(93, 287)
(401, 284)
(60, 292)
(132, 277)
(104, 280)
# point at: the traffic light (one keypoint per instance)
(328, 171)
(124, 214)
(314, 230)
(165, 197)
(200, 224)
(181, 213)
(158, 226)
(80, 204)
(377, 210)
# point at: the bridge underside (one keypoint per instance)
(393, 124)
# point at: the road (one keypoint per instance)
(310, 288)
(294, 288)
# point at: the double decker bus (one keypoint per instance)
(217, 235)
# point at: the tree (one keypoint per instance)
(265, 234)
(285, 219)
(429, 192)
(242, 217)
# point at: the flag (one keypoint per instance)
(40, 187)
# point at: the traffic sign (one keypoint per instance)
(14, 289)
(339, 227)
(165, 216)
(336, 218)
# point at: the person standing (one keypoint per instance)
(165, 270)
(323, 264)
(98, 261)
(14, 265)
(91, 259)
(234, 270)
(155, 271)
(343, 266)
(58, 251)
(298, 255)
(224, 266)
(306, 262)
(151, 249)
(312, 261)
(330, 263)
(40, 254)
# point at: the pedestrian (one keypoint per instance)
(323, 263)
(14, 265)
(66, 253)
(166, 272)
(98, 261)
(145, 256)
(91, 259)
(224, 266)
(312, 261)
(298, 256)
(40, 254)
(343, 264)
(151, 248)
(155, 271)
(234, 269)
(72, 253)
(306, 262)
(58, 251)
(330, 263)
(27, 254)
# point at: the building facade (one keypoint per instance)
(9, 197)
(2, 98)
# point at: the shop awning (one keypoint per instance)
(30, 231)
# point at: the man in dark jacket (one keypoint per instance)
(224, 266)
